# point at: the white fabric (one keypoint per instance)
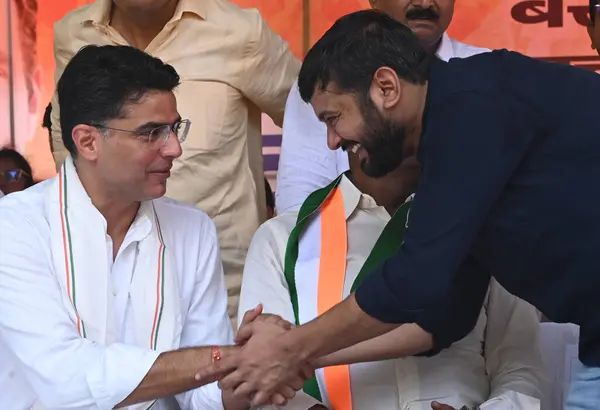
(559, 345)
(306, 163)
(82, 270)
(1, 194)
(43, 357)
(497, 363)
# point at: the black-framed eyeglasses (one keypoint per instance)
(12, 175)
(594, 11)
(156, 138)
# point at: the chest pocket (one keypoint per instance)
(208, 105)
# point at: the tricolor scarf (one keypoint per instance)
(315, 271)
(81, 266)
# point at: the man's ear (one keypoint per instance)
(86, 138)
(386, 88)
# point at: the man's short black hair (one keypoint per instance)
(355, 47)
(100, 80)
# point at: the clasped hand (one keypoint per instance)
(266, 370)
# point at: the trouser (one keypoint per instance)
(584, 393)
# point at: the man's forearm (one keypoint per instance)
(343, 325)
(173, 373)
(406, 340)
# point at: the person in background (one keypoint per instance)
(47, 124)
(233, 67)
(270, 200)
(26, 75)
(594, 27)
(112, 295)
(498, 366)
(15, 172)
(306, 164)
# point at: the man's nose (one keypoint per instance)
(172, 147)
(423, 3)
(334, 141)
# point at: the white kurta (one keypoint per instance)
(306, 163)
(42, 357)
(498, 363)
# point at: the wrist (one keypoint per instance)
(298, 342)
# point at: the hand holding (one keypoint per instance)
(266, 365)
(256, 315)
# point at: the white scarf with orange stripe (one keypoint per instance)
(81, 265)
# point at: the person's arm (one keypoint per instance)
(406, 340)
(263, 283)
(512, 355)
(471, 148)
(65, 370)
(62, 55)
(173, 373)
(471, 281)
(269, 68)
(305, 162)
(207, 322)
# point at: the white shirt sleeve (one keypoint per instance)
(264, 282)
(305, 163)
(513, 358)
(207, 322)
(64, 370)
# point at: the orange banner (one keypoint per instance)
(552, 29)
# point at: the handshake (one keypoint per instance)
(265, 368)
(270, 363)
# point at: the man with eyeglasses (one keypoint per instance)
(108, 290)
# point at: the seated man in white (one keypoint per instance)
(306, 164)
(109, 291)
(300, 264)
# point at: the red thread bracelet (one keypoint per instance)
(216, 354)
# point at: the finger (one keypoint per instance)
(260, 399)
(232, 381)
(307, 372)
(277, 320)
(210, 373)
(245, 332)
(251, 315)
(279, 399)
(287, 392)
(284, 324)
(297, 383)
(244, 391)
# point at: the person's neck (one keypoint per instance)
(140, 26)
(118, 211)
(391, 190)
(432, 46)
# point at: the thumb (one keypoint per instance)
(251, 315)
(244, 333)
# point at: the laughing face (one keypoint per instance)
(377, 142)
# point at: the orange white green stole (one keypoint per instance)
(81, 266)
(315, 271)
